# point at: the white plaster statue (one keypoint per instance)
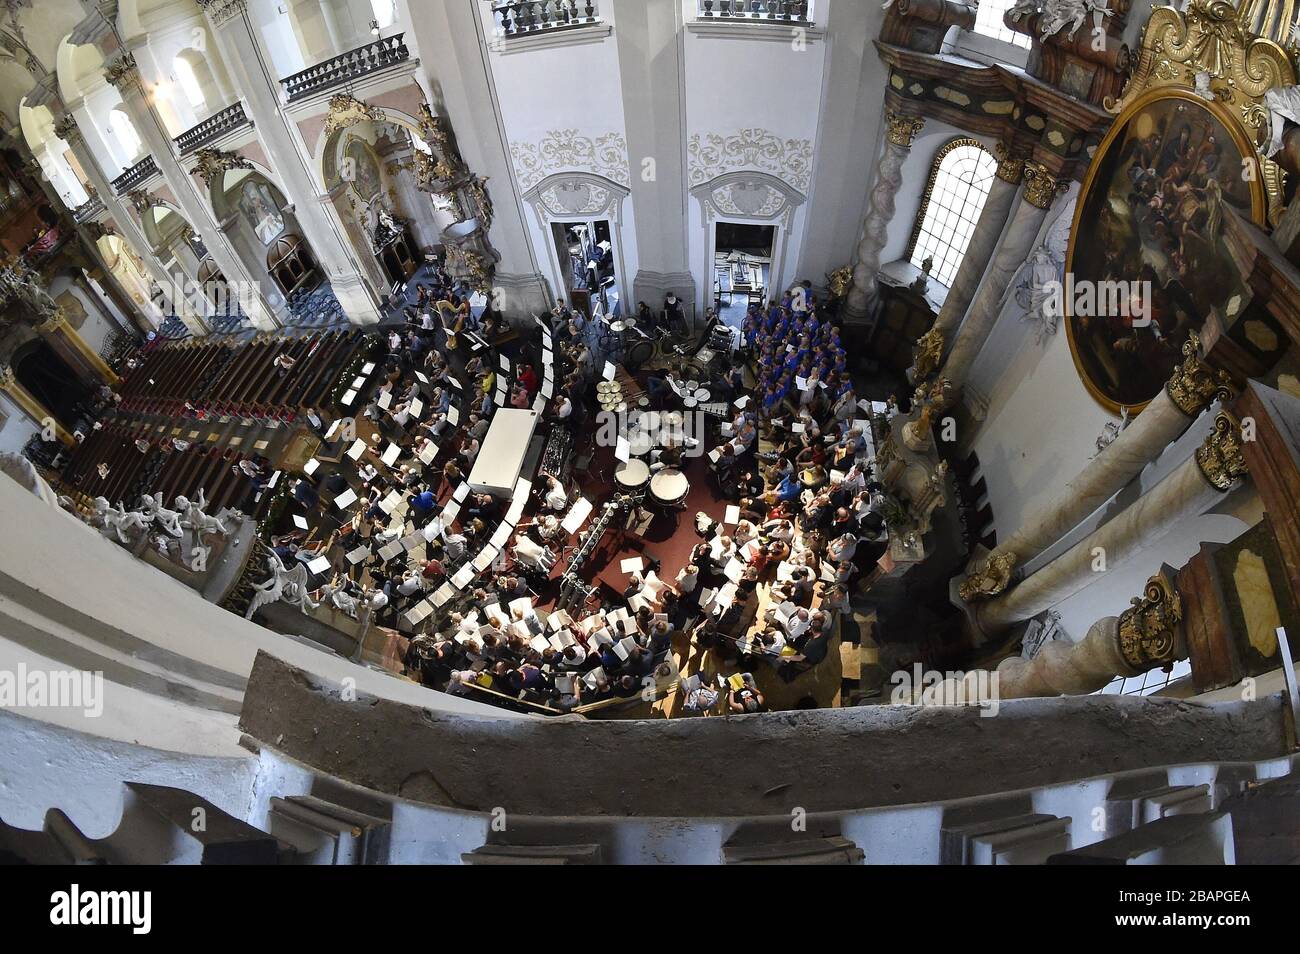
(119, 520)
(1038, 287)
(168, 520)
(1112, 430)
(338, 597)
(289, 586)
(193, 517)
(1057, 14)
(1283, 103)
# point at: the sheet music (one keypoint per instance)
(346, 499)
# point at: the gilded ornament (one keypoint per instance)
(1194, 383)
(987, 579)
(1148, 629)
(903, 129)
(1221, 457)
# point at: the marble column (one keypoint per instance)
(992, 221)
(259, 303)
(250, 70)
(127, 228)
(1190, 391)
(1192, 489)
(900, 131)
(1144, 637)
(1017, 241)
(72, 348)
(33, 408)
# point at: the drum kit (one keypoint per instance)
(609, 395)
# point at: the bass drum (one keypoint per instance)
(638, 354)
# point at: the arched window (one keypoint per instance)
(988, 22)
(189, 83)
(384, 13)
(124, 131)
(959, 183)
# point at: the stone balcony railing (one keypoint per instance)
(346, 67)
(138, 174)
(211, 129)
(758, 11)
(88, 210)
(517, 19)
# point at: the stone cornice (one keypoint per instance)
(998, 101)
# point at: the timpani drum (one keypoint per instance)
(631, 477)
(669, 487)
(641, 443)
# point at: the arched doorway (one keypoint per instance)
(49, 379)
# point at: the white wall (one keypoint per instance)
(562, 112)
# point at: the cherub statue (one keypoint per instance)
(1057, 14)
(287, 585)
(193, 517)
(119, 520)
(337, 596)
(169, 520)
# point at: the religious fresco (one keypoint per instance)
(1151, 222)
(261, 211)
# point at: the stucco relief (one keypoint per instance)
(753, 199)
(575, 198)
(564, 150)
(713, 154)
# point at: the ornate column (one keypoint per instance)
(30, 406)
(1145, 636)
(69, 130)
(236, 38)
(1190, 391)
(258, 304)
(1040, 190)
(992, 221)
(70, 346)
(1193, 488)
(901, 130)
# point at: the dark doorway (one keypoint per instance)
(742, 268)
(48, 378)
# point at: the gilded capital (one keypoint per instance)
(903, 129)
(989, 578)
(1194, 383)
(7, 379)
(219, 11)
(55, 321)
(1148, 629)
(67, 130)
(1011, 168)
(1220, 457)
(122, 72)
(210, 163)
(1041, 187)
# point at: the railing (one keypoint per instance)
(212, 129)
(88, 210)
(346, 67)
(781, 11)
(528, 19)
(139, 173)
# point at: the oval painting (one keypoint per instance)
(1147, 262)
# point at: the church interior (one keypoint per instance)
(649, 432)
